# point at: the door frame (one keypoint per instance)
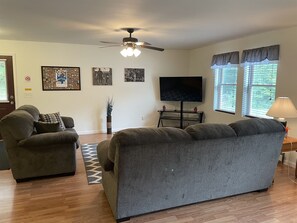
(13, 55)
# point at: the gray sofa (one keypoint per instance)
(32, 154)
(151, 169)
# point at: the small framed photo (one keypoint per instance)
(56, 78)
(134, 75)
(102, 76)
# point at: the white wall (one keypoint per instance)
(200, 60)
(136, 104)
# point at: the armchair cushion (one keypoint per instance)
(44, 127)
(53, 117)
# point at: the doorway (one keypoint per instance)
(7, 97)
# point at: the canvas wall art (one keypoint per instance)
(55, 78)
(102, 76)
(134, 75)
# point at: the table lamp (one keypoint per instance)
(281, 109)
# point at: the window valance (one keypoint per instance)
(270, 53)
(230, 58)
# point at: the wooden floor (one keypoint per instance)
(71, 199)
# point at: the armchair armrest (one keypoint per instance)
(68, 121)
(102, 150)
(49, 139)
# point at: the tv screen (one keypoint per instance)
(181, 88)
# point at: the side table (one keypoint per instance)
(289, 145)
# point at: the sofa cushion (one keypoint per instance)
(255, 126)
(210, 131)
(146, 136)
(44, 127)
(52, 117)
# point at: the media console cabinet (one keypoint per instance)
(183, 117)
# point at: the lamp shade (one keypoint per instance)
(282, 108)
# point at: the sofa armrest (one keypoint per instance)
(102, 151)
(49, 139)
(68, 121)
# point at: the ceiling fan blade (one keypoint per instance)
(142, 43)
(110, 42)
(113, 45)
(152, 47)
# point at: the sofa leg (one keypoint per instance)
(122, 219)
(263, 190)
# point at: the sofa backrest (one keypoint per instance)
(210, 131)
(256, 126)
(145, 136)
(31, 110)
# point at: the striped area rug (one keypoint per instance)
(93, 168)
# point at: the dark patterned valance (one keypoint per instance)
(225, 59)
(270, 53)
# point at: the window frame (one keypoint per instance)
(218, 86)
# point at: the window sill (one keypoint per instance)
(227, 112)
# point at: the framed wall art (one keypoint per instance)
(55, 78)
(102, 76)
(134, 75)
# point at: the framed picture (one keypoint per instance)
(55, 78)
(134, 75)
(102, 76)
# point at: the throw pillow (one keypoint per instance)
(53, 117)
(44, 127)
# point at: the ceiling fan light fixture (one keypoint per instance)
(129, 51)
(124, 52)
(136, 52)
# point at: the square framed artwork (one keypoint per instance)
(57, 78)
(102, 76)
(134, 75)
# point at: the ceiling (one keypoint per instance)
(171, 24)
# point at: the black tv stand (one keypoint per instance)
(184, 117)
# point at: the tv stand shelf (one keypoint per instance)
(184, 117)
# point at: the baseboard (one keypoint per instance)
(105, 131)
(290, 164)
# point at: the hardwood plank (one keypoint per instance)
(71, 199)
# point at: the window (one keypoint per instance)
(259, 89)
(225, 81)
(3, 82)
(260, 74)
(225, 89)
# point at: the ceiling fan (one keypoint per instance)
(131, 44)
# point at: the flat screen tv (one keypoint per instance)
(181, 88)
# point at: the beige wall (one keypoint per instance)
(200, 60)
(136, 104)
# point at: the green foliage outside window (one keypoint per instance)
(3, 87)
(260, 88)
(225, 89)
